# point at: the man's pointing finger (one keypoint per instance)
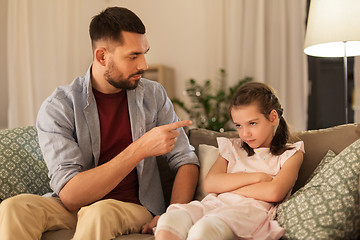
(179, 124)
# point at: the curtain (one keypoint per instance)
(265, 40)
(44, 52)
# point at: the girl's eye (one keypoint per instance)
(133, 57)
(237, 125)
(253, 123)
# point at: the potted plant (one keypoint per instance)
(209, 108)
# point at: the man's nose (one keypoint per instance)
(142, 64)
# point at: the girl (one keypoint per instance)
(251, 175)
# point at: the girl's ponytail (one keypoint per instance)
(281, 137)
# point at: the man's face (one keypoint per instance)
(126, 62)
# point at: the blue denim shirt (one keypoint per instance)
(69, 135)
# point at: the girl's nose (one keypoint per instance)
(246, 132)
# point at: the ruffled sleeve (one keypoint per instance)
(298, 146)
(230, 149)
(227, 146)
(223, 144)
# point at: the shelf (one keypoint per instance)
(163, 75)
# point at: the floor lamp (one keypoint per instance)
(333, 30)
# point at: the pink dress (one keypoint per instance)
(248, 218)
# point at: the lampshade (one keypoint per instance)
(331, 24)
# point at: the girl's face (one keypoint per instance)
(252, 126)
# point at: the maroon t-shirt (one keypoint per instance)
(115, 132)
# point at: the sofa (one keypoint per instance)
(324, 203)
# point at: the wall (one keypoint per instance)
(177, 33)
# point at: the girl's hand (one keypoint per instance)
(264, 177)
(276, 189)
(219, 181)
(261, 178)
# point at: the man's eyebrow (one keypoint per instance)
(139, 53)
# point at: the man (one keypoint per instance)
(99, 137)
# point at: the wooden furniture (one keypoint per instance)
(163, 75)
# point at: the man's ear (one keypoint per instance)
(100, 55)
(274, 117)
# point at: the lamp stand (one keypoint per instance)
(346, 84)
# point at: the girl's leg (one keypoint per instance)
(210, 228)
(173, 225)
(166, 235)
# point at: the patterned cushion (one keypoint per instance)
(327, 207)
(22, 168)
(328, 157)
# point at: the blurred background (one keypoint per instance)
(45, 44)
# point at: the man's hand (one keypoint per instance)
(148, 227)
(162, 139)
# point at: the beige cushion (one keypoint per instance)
(207, 156)
(318, 142)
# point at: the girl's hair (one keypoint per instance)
(265, 98)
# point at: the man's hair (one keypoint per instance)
(110, 23)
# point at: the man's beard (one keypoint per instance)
(121, 83)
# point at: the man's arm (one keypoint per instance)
(91, 185)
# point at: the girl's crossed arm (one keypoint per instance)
(219, 181)
(277, 189)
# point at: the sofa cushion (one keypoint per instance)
(327, 207)
(327, 158)
(318, 142)
(22, 168)
(207, 157)
(199, 136)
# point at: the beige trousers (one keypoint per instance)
(27, 216)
